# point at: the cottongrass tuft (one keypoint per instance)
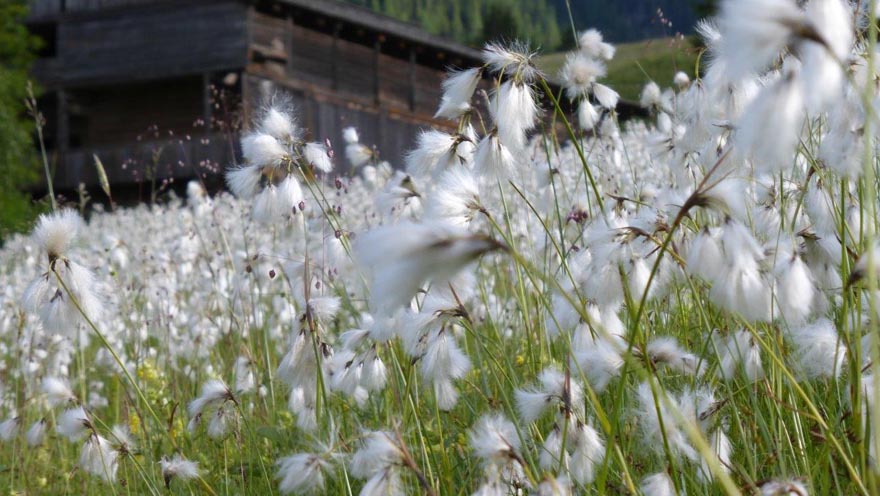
(179, 468)
(401, 258)
(302, 473)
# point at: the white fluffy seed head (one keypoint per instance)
(350, 135)
(591, 43)
(770, 127)
(784, 487)
(754, 32)
(324, 308)
(434, 153)
(245, 380)
(606, 96)
(318, 156)
(458, 89)
(823, 74)
(530, 404)
(263, 150)
(358, 154)
(99, 458)
(276, 203)
(244, 181)
(73, 423)
(739, 352)
(442, 358)
(178, 467)
(515, 111)
(514, 60)
(56, 231)
(213, 391)
(9, 428)
(819, 350)
(657, 421)
(494, 439)
(555, 486)
(650, 96)
(57, 391)
(279, 123)
(36, 433)
(588, 116)
(302, 473)
(378, 452)
(600, 358)
(665, 351)
(659, 484)
(456, 198)
(579, 73)
(681, 79)
(401, 258)
(494, 161)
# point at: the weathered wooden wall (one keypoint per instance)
(123, 113)
(52, 9)
(39, 9)
(139, 129)
(324, 118)
(151, 42)
(355, 64)
(122, 66)
(340, 76)
(134, 162)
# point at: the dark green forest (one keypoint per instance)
(546, 24)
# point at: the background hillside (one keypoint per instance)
(546, 23)
(637, 62)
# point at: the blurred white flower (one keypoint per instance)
(401, 258)
(178, 467)
(98, 457)
(302, 472)
(458, 89)
(591, 43)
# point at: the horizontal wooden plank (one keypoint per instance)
(266, 30)
(311, 56)
(43, 8)
(394, 81)
(118, 114)
(149, 43)
(356, 69)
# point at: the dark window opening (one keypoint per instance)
(48, 34)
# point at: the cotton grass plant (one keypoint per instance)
(540, 302)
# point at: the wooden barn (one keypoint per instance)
(158, 88)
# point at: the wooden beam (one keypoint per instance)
(334, 55)
(291, 27)
(247, 103)
(62, 125)
(62, 138)
(412, 78)
(377, 52)
(207, 106)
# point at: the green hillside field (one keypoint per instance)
(636, 63)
